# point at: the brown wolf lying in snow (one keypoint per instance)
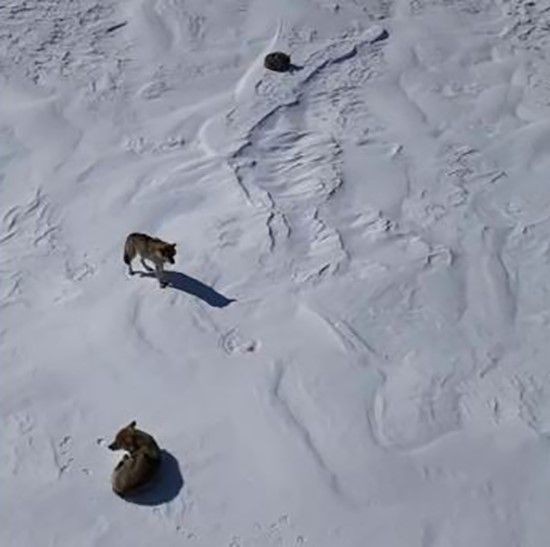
(150, 248)
(140, 466)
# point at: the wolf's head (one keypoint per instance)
(168, 252)
(125, 438)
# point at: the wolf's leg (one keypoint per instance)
(145, 265)
(130, 270)
(160, 275)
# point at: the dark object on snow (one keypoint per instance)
(116, 27)
(190, 285)
(279, 62)
(384, 35)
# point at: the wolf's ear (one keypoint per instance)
(133, 424)
(173, 245)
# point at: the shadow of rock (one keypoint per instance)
(165, 487)
(294, 68)
(190, 285)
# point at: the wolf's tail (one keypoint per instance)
(128, 251)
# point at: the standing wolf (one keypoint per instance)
(139, 467)
(150, 248)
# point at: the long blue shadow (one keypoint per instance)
(190, 285)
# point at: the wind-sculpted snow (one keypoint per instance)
(352, 349)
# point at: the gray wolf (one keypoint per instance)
(140, 465)
(149, 248)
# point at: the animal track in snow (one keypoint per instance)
(233, 342)
(62, 454)
(281, 531)
(61, 38)
(143, 146)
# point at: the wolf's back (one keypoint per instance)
(134, 473)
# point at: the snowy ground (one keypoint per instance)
(381, 218)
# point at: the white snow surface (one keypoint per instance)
(356, 347)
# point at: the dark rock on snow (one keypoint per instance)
(277, 61)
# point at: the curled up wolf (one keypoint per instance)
(149, 248)
(140, 465)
